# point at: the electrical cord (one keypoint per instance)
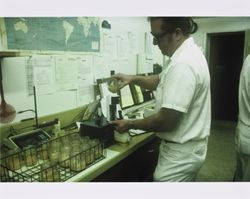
(26, 111)
(14, 131)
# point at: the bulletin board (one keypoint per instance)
(62, 83)
(65, 80)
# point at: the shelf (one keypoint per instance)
(8, 54)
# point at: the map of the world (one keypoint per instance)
(80, 34)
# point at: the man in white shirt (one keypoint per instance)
(242, 140)
(183, 112)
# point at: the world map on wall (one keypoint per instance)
(53, 33)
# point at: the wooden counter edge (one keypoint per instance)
(123, 150)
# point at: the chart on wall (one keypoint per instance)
(79, 34)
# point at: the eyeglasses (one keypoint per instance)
(159, 35)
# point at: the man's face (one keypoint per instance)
(162, 38)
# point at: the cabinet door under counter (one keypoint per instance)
(136, 167)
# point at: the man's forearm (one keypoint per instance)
(152, 123)
(148, 82)
(163, 121)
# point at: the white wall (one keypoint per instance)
(219, 24)
(137, 25)
(14, 77)
(16, 96)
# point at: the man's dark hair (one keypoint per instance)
(186, 24)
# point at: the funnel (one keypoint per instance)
(7, 112)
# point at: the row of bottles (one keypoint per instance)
(65, 150)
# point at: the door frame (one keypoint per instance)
(246, 45)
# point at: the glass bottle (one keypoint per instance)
(65, 139)
(75, 137)
(77, 160)
(57, 129)
(54, 151)
(86, 149)
(14, 159)
(93, 148)
(85, 139)
(4, 174)
(49, 172)
(98, 148)
(30, 155)
(113, 83)
(64, 157)
(43, 151)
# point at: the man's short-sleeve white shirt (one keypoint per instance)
(185, 86)
(244, 93)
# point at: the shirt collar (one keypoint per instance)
(189, 41)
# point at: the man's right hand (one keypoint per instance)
(123, 78)
(122, 125)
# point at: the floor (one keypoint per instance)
(221, 158)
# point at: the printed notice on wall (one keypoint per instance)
(122, 46)
(44, 74)
(85, 68)
(109, 45)
(85, 92)
(133, 43)
(66, 72)
(85, 80)
(148, 45)
(101, 67)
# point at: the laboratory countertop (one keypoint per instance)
(114, 154)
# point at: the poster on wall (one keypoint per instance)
(76, 34)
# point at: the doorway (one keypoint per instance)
(225, 62)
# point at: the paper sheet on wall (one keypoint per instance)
(148, 45)
(44, 74)
(149, 68)
(85, 92)
(109, 45)
(66, 72)
(85, 82)
(133, 44)
(122, 47)
(144, 65)
(29, 75)
(95, 45)
(85, 68)
(101, 67)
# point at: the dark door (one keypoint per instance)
(225, 63)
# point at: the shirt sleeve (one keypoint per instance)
(179, 86)
(246, 66)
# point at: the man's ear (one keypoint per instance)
(178, 34)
